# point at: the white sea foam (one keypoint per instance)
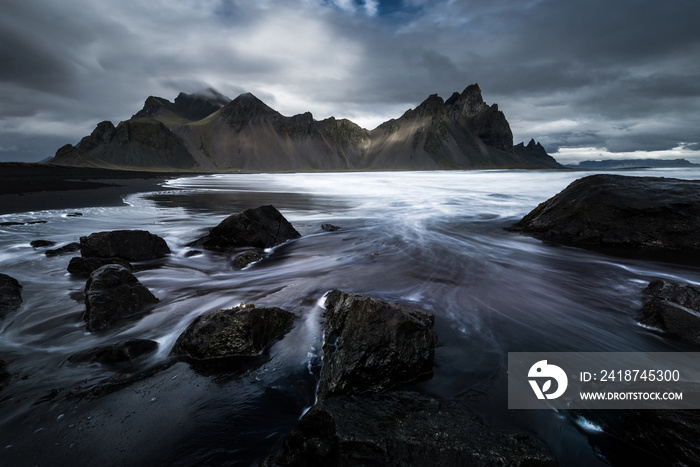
(588, 426)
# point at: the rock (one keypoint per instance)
(262, 227)
(10, 294)
(80, 266)
(373, 345)
(4, 375)
(246, 258)
(191, 253)
(121, 352)
(329, 227)
(673, 307)
(13, 223)
(236, 332)
(131, 245)
(64, 250)
(536, 155)
(645, 437)
(113, 293)
(403, 428)
(613, 211)
(41, 243)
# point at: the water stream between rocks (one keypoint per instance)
(433, 239)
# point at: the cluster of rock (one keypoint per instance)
(244, 332)
(372, 350)
(113, 294)
(247, 234)
(641, 216)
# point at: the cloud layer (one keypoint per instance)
(616, 78)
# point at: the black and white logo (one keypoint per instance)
(542, 374)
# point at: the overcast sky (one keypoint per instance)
(586, 78)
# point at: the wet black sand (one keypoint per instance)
(32, 187)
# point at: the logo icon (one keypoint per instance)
(544, 371)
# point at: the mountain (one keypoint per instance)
(209, 132)
(463, 132)
(633, 163)
(536, 154)
(247, 135)
(135, 143)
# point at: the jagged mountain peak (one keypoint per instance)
(249, 101)
(153, 107)
(433, 105)
(535, 154)
(534, 146)
(244, 109)
(468, 103)
(190, 107)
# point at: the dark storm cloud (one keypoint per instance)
(621, 76)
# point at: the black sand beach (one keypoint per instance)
(33, 187)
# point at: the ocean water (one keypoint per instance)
(433, 239)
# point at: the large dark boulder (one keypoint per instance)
(113, 293)
(236, 332)
(80, 266)
(131, 245)
(373, 345)
(620, 212)
(10, 294)
(403, 428)
(673, 307)
(122, 352)
(262, 227)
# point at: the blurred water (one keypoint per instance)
(435, 239)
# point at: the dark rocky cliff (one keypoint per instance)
(136, 143)
(536, 155)
(209, 132)
(188, 107)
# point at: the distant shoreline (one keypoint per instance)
(27, 187)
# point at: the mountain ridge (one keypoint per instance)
(209, 132)
(632, 163)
